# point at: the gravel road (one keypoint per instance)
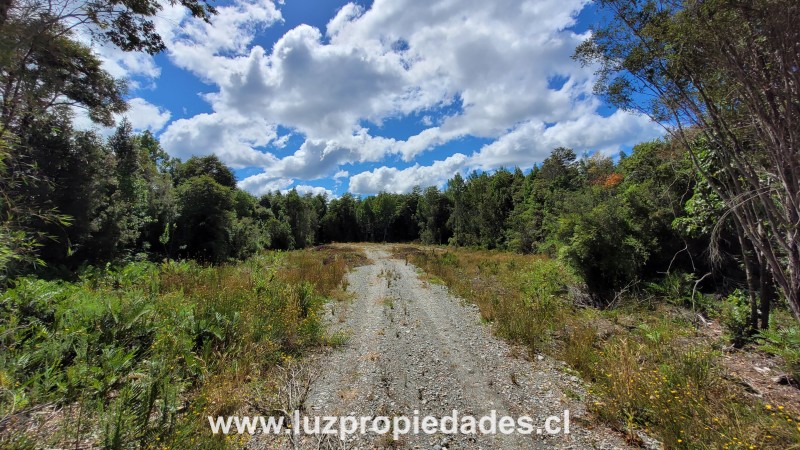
(415, 347)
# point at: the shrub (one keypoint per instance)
(678, 288)
(735, 317)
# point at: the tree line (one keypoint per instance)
(720, 76)
(124, 198)
(615, 221)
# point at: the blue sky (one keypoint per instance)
(334, 96)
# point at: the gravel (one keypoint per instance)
(416, 347)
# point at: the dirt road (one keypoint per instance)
(414, 347)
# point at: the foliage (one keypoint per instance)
(717, 69)
(735, 317)
(21, 221)
(205, 219)
(139, 349)
(210, 166)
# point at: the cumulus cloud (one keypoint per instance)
(303, 189)
(141, 114)
(391, 179)
(531, 142)
(500, 70)
(214, 51)
(321, 90)
(233, 138)
(262, 183)
(144, 115)
(128, 65)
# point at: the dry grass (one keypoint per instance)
(522, 309)
(324, 267)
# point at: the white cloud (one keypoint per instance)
(213, 51)
(531, 142)
(141, 114)
(321, 90)
(144, 115)
(126, 65)
(231, 137)
(523, 146)
(391, 179)
(263, 183)
(488, 64)
(303, 189)
(342, 19)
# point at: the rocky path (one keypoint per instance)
(414, 347)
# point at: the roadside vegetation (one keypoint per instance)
(653, 365)
(138, 356)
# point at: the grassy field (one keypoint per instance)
(650, 366)
(138, 356)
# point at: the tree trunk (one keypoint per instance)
(767, 294)
(749, 270)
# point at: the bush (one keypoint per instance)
(677, 288)
(735, 317)
(603, 247)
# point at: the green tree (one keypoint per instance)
(405, 225)
(206, 217)
(340, 223)
(205, 165)
(73, 173)
(302, 218)
(459, 218)
(495, 207)
(725, 69)
(21, 220)
(433, 212)
(132, 193)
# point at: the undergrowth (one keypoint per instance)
(648, 366)
(139, 356)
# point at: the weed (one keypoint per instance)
(142, 353)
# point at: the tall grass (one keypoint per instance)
(523, 297)
(649, 368)
(138, 356)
